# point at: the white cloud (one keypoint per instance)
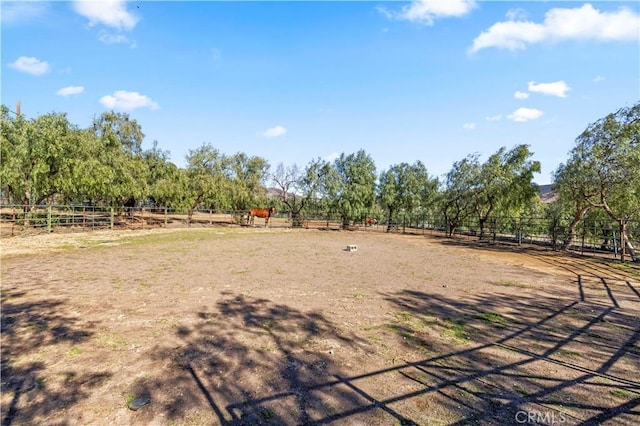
(30, 65)
(469, 126)
(274, 132)
(525, 114)
(70, 90)
(583, 23)
(517, 14)
(112, 13)
(520, 95)
(20, 11)
(598, 79)
(331, 157)
(108, 38)
(121, 99)
(426, 11)
(557, 88)
(493, 117)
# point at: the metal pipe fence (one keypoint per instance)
(596, 236)
(592, 236)
(18, 219)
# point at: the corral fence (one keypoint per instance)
(599, 237)
(16, 219)
(593, 236)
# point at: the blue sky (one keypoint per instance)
(293, 81)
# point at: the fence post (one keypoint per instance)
(111, 223)
(49, 218)
(165, 217)
(14, 220)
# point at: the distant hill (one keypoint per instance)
(547, 194)
(274, 193)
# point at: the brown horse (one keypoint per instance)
(370, 221)
(265, 213)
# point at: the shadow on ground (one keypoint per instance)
(489, 359)
(28, 331)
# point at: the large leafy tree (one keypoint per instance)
(456, 198)
(247, 175)
(320, 184)
(37, 156)
(505, 183)
(118, 129)
(354, 188)
(172, 190)
(90, 174)
(120, 148)
(574, 193)
(159, 168)
(207, 178)
(406, 187)
(603, 170)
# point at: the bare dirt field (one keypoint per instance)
(253, 326)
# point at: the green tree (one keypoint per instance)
(208, 182)
(606, 159)
(37, 156)
(119, 149)
(354, 188)
(321, 184)
(505, 182)
(172, 190)
(246, 186)
(118, 129)
(407, 188)
(456, 199)
(90, 175)
(158, 168)
(574, 193)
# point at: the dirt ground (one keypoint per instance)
(254, 326)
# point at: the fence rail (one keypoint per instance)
(598, 236)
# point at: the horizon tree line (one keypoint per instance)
(47, 160)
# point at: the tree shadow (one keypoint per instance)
(29, 329)
(253, 361)
(556, 360)
(600, 276)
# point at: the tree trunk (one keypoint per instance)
(296, 221)
(452, 228)
(625, 244)
(345, 223)
(572, 227)
(482, 222)
(389, 219)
